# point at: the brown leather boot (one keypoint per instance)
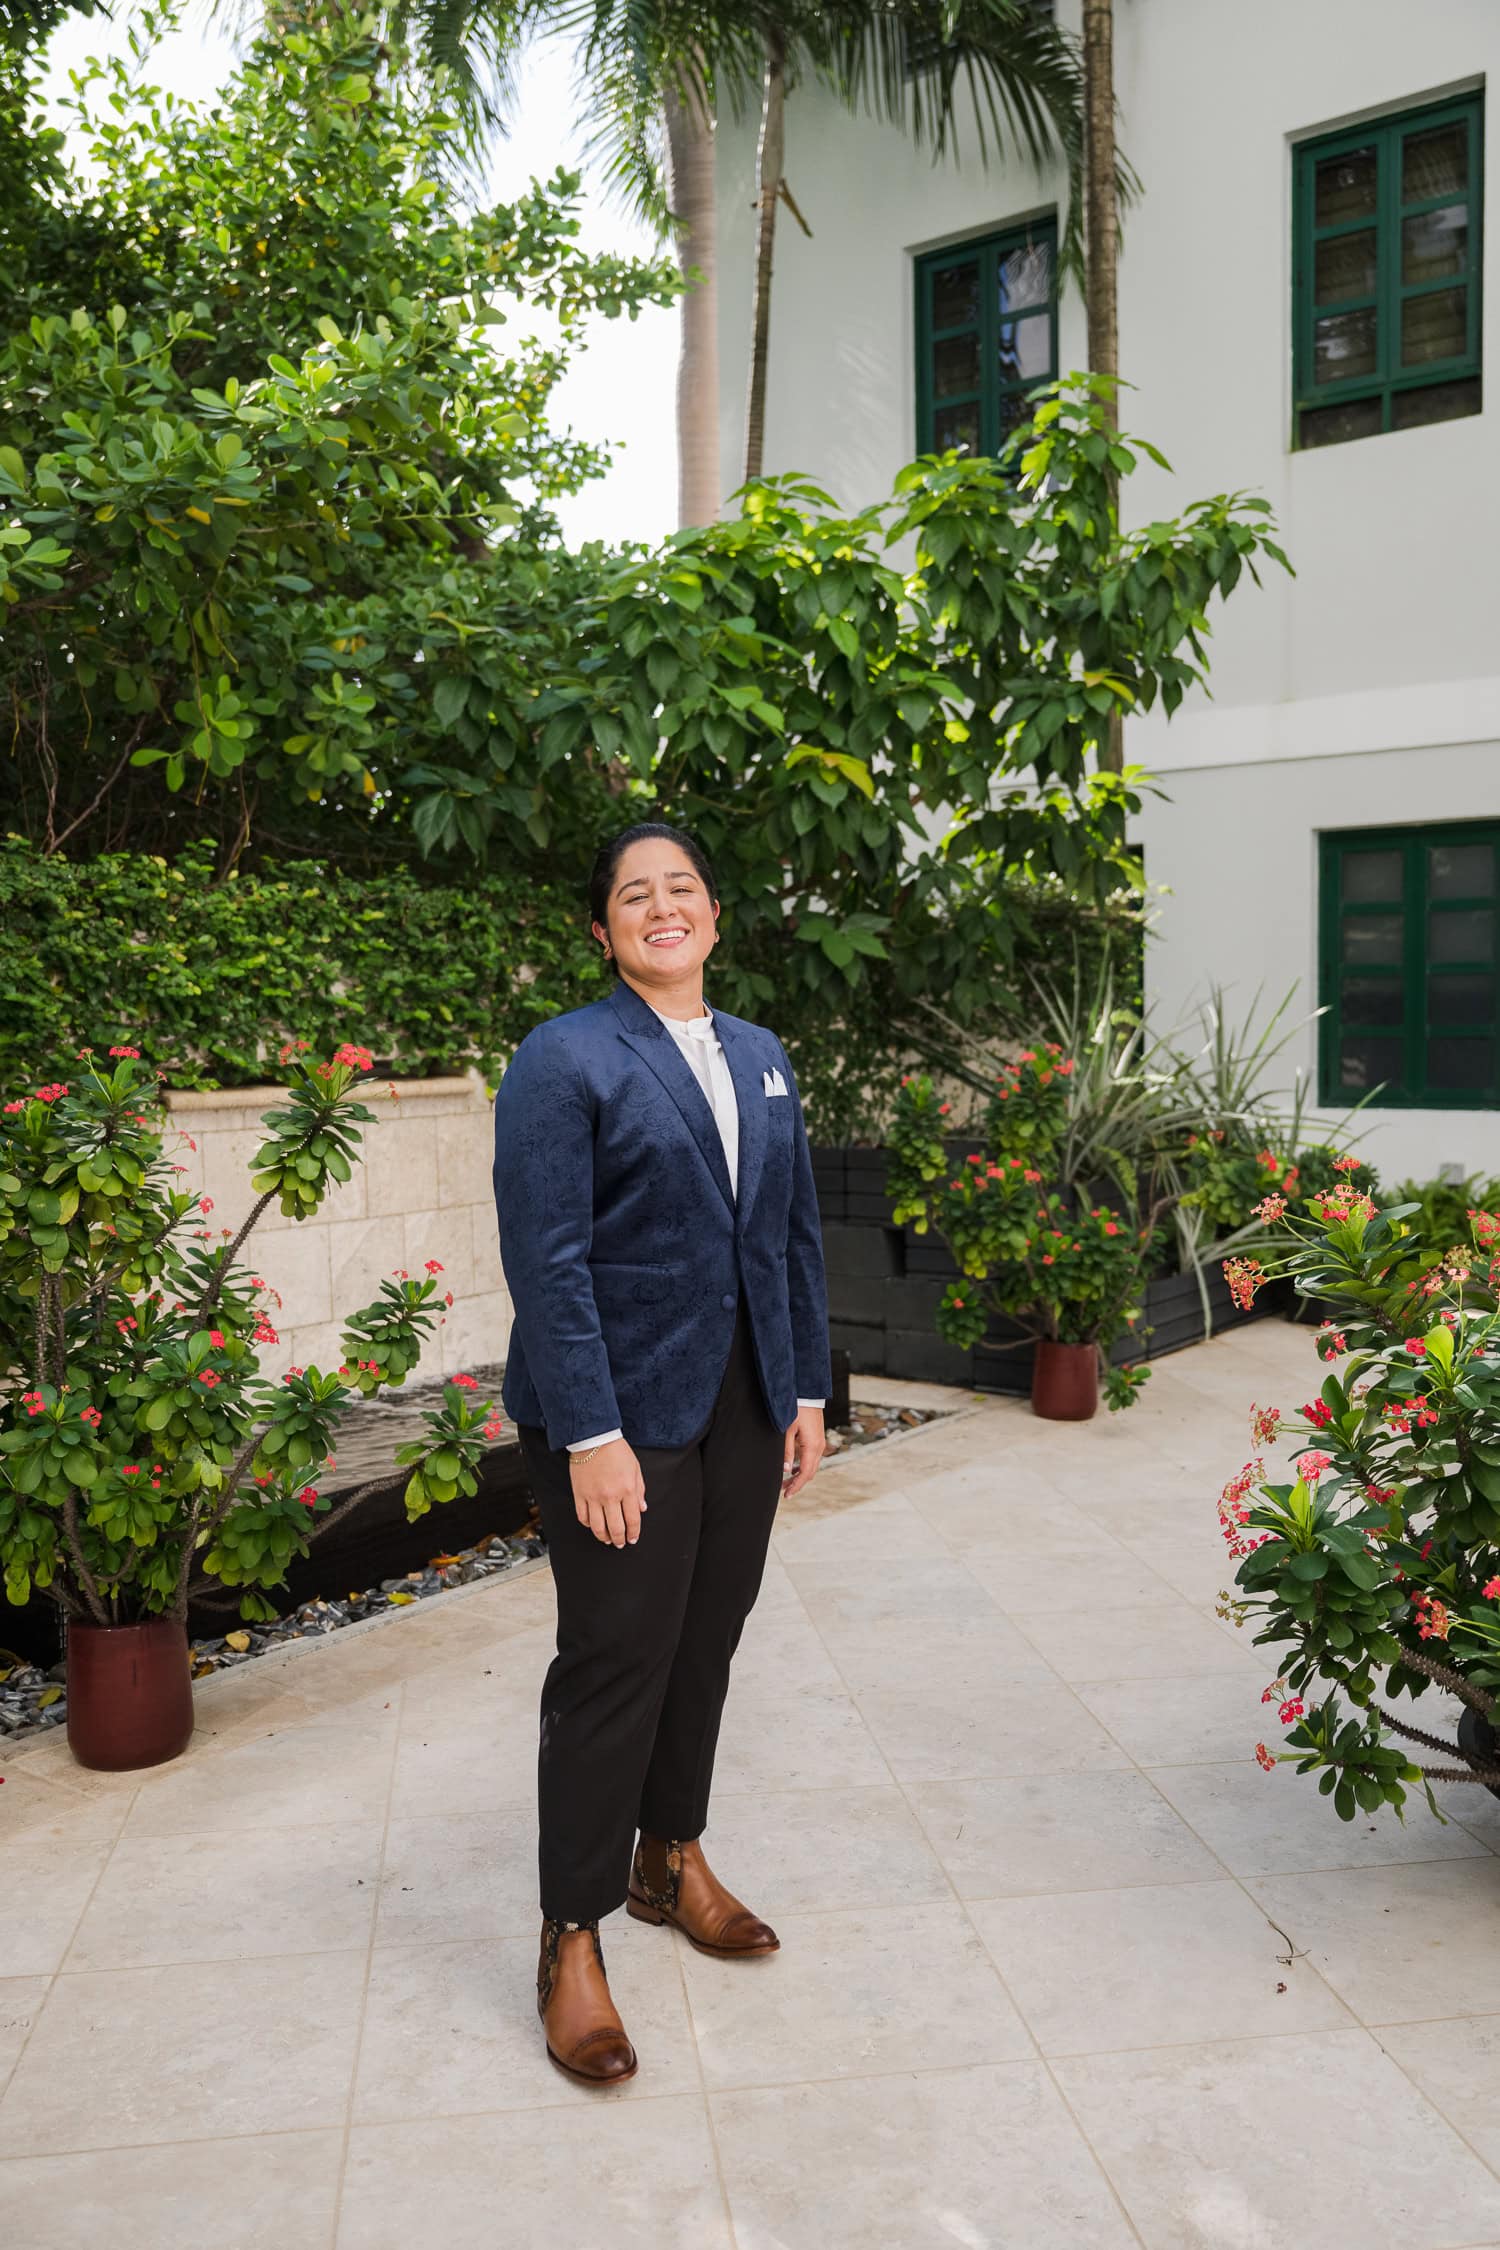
(673, 1882)
(585, 2036)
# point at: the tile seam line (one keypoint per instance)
(1113, 2192)
(337, 2214)
(306, 2132)
(703, 2092)
(53, 1976)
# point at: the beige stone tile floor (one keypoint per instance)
(1061, 1968)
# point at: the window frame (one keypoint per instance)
(989, 249)
(1414, 841)
(1391, 380)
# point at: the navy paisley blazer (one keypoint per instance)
(626, 1250)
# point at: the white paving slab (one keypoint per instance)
(1060, 1966)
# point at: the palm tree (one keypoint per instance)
(1101, 170)
(659, 72)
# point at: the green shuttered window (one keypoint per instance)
(1408, 967)
(986, 333)
(1387, 265)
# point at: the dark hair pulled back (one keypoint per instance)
(610, 853)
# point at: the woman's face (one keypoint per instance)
(661, 918)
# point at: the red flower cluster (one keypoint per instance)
(133, 1052)
(1244, 1276)
(1316, 1413)
(1265, 1421)
(1310, 1466)
(92, 1416)
(1264, 1758)
(465, 1382)
(34, 1403)
(1433, 1619)
(1270, 1209)
(1293, 1709)
(51, 1093)
(1330, 1341)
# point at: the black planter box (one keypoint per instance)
(886, 1282)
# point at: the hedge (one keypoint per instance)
(210, 978)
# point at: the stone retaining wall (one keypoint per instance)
(423, 1191)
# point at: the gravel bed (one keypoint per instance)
(32, 1699)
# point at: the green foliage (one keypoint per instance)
(1444, 1206)
(1045, 1255)
(264, 525)
(1378, 1566)
(279, 573)
(213, 978)
(139, 1442)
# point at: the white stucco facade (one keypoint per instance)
(1366, 692)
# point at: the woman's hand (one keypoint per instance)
(609, 1493)
(805, 1446)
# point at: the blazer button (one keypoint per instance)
(727, 1303)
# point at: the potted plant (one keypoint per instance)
(1069, 1270)
(143, 1455)
(1376, 1565)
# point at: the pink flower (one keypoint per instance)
(494, 1426)
(433, 1266)
(1310, 1466)
(51, 1093)
(1417, 1346)
(1244, 1276)
(134, 1052)
(205, 1203)
(465, 1382)
(1270, 1208)
(355, 1058)
(208, 1378)
(12, 1107)
(1265, 1421)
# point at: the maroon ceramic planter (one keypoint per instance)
(1065, 1381)
(130, 1694)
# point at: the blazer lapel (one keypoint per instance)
(649, 1036)
(750, 1094)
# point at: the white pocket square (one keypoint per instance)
(773, 1081)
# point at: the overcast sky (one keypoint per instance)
(621, 387)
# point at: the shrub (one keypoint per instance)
(142, 1454)
(1377, 1566)
(1030, 1242)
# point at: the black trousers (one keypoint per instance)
(645, 1636)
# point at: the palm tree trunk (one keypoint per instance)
(691, 200)
(769, 161)
(1103, 219)
(1102, 227)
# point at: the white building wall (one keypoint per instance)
(1367, 690)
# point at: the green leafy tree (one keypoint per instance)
(265, 469)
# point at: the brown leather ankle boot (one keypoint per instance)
(673, 1882)
(585, 2037)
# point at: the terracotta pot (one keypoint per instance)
(130, 1694)
(1065, 1381)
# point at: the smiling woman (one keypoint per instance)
(659, 1231)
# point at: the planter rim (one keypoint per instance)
(245, 1097)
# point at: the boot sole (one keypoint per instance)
(641, 1911)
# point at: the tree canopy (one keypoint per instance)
(281, 573)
